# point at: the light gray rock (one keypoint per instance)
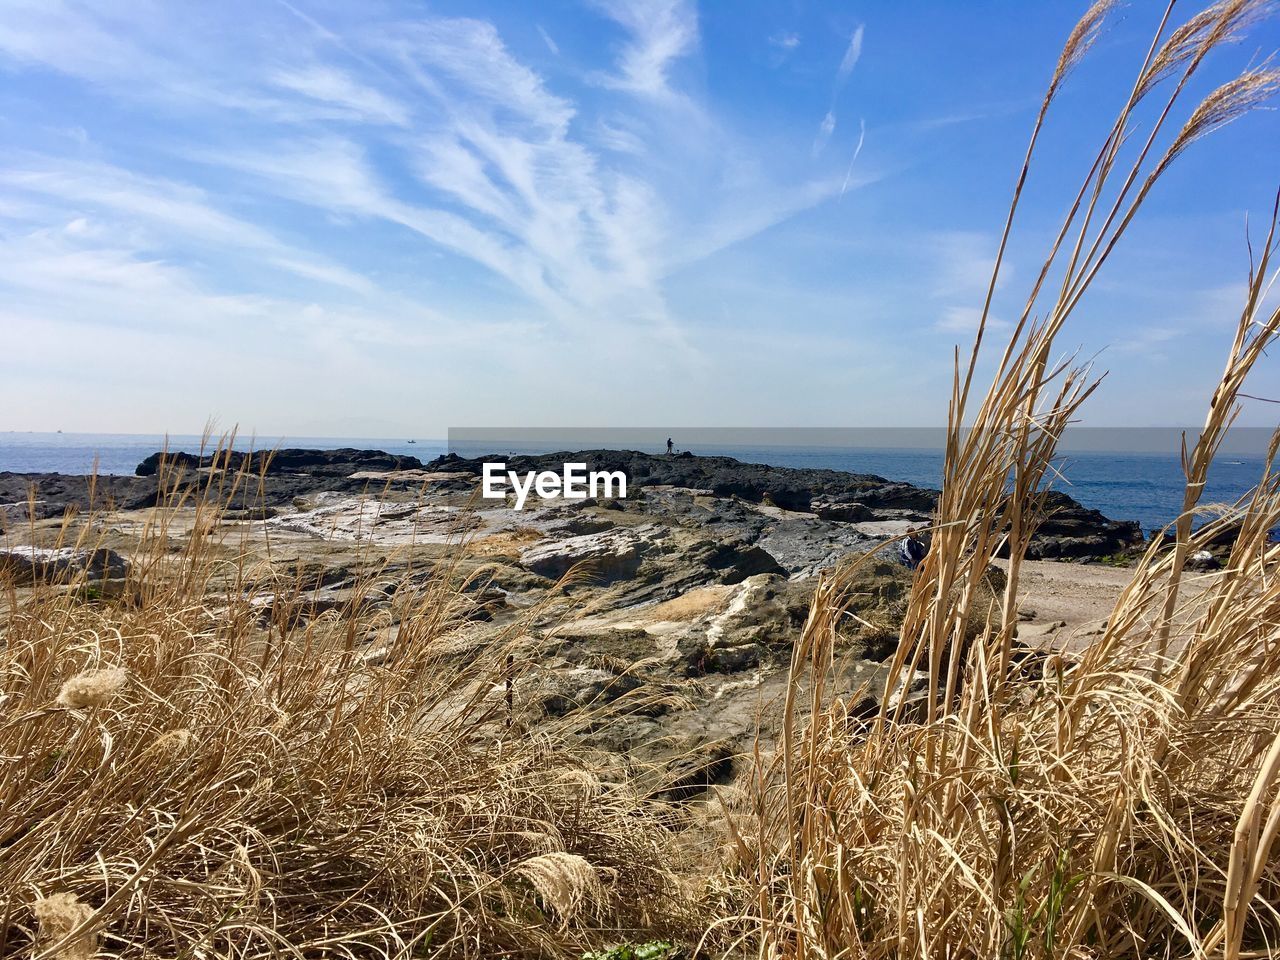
(607, 557)
(1038, 632)
(337, 516)
(805, 545)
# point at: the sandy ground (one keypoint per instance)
(1064, 603)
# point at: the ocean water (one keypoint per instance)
(120, 453)
(1143, 487)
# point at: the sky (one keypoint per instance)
(317, 218)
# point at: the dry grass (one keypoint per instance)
(179, 778)
(1119, 803)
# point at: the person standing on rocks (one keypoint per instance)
(670, 447)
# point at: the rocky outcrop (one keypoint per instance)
(603, 557)
(26, 565)
(56, 492)
(1074, 532)
(290, 475)
(342, 462)
(25, 511)
(788, 487)
(843, 509)
(800, 519)
(834, 498)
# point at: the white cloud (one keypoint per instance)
(546, 38)
(620, 138)
(963, 261)
(140, 52)
(960, 264)
(337, 88)
(852, 54)
(471, 54)
(1148, 341)
(857, 149)
(825, 129)
(178, 213)
(783, 44)
(965, 320)
(662, 31)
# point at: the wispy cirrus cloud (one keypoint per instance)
(546, 38)
(852, 54)
(785, 40)
(964, 321)
(352, 99)
(173, 213)
(783, 44)
(661, 32)
(325, 183)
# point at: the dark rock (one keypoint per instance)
(842, 510)
(711, 765)
(1075, 532)
(342, 462)
(788, 487)
(734, 561)
(27, 565)
(57, 492)
(248, 513)
(733, 659)
(25, 511)
(486, 604)
(587, 686)
(313, 575)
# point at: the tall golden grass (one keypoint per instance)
(182, 777)
(1119, 802)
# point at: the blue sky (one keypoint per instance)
(376, 219)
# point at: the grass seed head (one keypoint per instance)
(56, 917)
(92, 688)
(565, 882)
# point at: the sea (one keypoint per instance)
(1146, 487)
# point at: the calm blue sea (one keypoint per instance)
(1142, 487)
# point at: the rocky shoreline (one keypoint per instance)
(686, 596)
(835, 504)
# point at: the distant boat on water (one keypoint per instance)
(411, 441)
